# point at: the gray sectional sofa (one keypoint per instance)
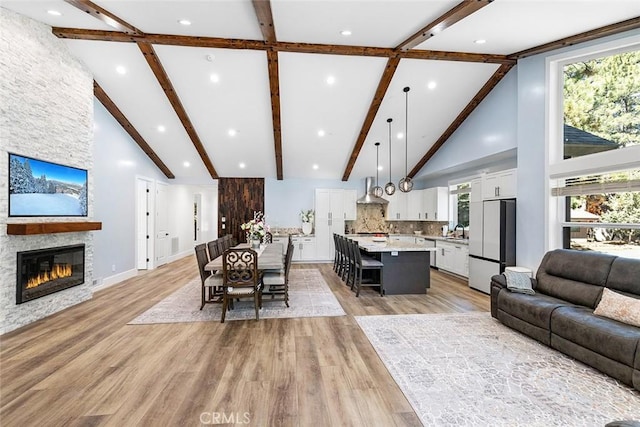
(569, 286)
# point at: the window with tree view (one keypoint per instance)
(601, 113)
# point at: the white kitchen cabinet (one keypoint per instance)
(350, 206)
(329, 206)
(304, 249)
(499, 185)
(436, 204)
(453, 257)
(415, 205)
(476, 190)
(397, 207)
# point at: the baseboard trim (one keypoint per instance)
(179, 255)
(115, 279)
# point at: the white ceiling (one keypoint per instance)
(240, 99)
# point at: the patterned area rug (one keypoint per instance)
(470, 370)
(309, 296)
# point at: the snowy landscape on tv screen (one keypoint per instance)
(39, 188)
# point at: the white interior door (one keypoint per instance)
(143, 236)
(197, 217)
(162, 225)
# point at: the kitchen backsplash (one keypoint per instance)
(371, 219)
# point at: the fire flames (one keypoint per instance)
(57, 272)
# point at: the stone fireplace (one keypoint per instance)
(45, 271)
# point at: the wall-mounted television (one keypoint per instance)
(41, 188)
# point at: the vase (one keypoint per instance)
(306, 228)
(255, 244)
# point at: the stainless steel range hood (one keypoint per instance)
(369, 198)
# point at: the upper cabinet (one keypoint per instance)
(436, 204)
(397, 207)
(499, 185)
(476, 190)
(431, 204)
(350, 206)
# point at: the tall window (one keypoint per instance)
(459, 204)
(594, 165)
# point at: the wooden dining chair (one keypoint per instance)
(241, 278)
(278, 281)
(268, 237)
(211, 283)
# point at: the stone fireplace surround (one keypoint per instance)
(49, 116)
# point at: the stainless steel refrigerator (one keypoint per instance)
(492, 240)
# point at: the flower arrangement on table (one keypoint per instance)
(307, 216)
(257, 227)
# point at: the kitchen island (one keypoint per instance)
(406, 265)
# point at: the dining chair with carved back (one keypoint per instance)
(241, 278)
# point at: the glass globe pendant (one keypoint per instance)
(389, 188)
(377, 190)
(406, 184)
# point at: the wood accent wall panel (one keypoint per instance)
(238, 198)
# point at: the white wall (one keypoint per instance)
(283, 200)
(118, 161)
(181, 221)
(487, 136)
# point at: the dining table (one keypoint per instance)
(269, 257)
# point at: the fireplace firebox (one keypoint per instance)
(45, 271)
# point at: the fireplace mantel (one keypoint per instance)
(25, 229)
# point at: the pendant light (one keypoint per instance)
(406, 184)
(389, 188)
(377, 190)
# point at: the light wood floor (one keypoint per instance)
(86, 366)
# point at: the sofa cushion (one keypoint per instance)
(619, 307)
(562, 274)
(615, 340)
(534, 309)
(624, 276)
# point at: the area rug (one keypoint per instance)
(470, 370)
(309, 296)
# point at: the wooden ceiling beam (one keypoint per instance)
(383, 85)
(274, 87)
(158, 70)
(130, 129)
(265, 19)
(104, 15)
(240, 44)
(459, 12)
(482, 93)
(608, 30)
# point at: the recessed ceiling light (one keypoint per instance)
(186, 164)
(210, 57)
(400, 135)
(380, 167)
(242, 165)
(321, 133)
(214, 78)
(315, 167)
(345, 33)
(331, 80)
(232, 132)
(184, 22)
(161, 128)
(480, 41)
(121, 70)
(54, 12)
(432, 85)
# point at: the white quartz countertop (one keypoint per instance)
(369, 245)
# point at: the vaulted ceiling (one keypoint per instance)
(279, 89)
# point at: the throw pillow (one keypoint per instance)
(518, 282)
(619, 307)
